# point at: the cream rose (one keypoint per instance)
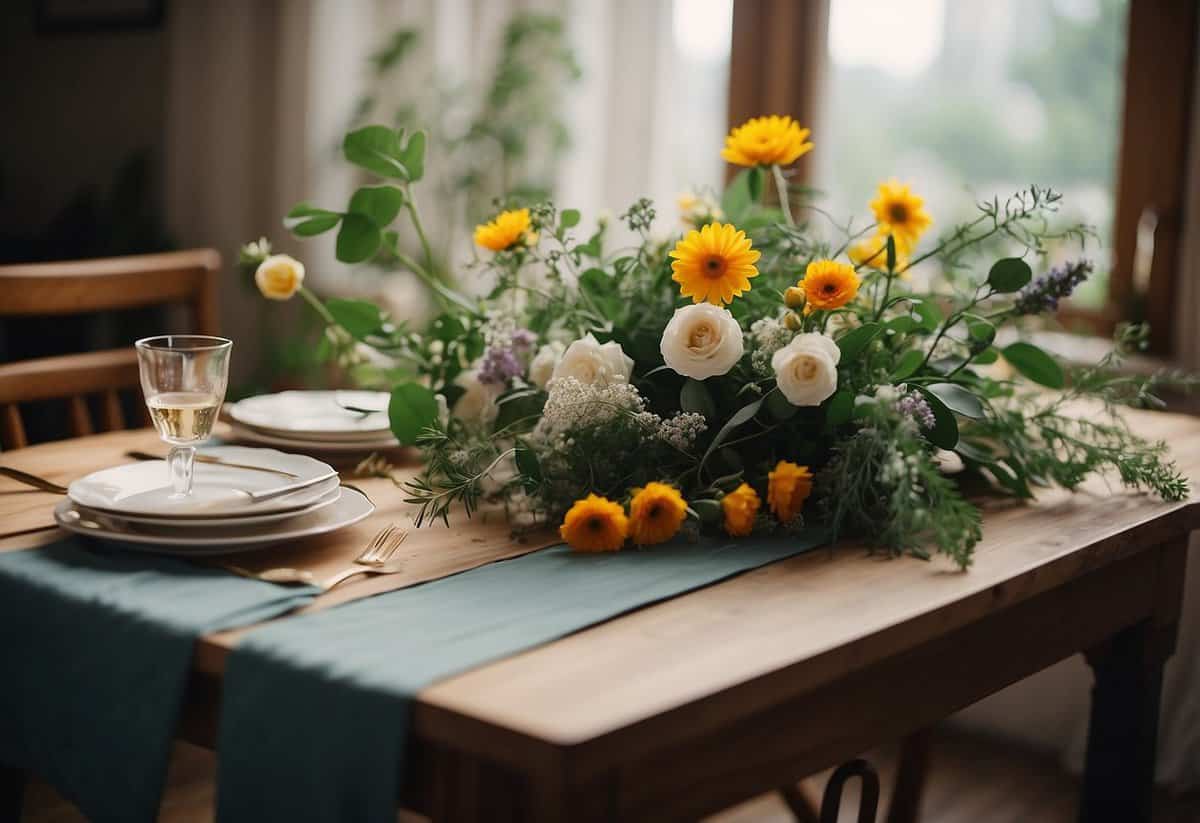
(279, 276)
(477, 403)
(702, 340)
(541, 369)
(806, 369)
(590, 362)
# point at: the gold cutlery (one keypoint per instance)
(216, 461)
(32, 480)
(374, 560)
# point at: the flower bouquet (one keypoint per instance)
(766, 370)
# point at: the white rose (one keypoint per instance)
(806, 369)
(590, 363)
(702, 340)
(477, 404)
(279, 276)
(541, 369)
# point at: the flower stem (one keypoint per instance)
(411, 205)
(317, 305)
(781, 188)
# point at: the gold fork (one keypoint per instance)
(373, 560)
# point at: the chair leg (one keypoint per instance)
(868, 799)
(801, 805)
(911, 769)
(12, 793)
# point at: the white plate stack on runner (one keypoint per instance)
(242, 498)
(315, 420)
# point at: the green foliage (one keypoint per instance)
(411, 411)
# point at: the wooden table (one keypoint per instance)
(699, 702)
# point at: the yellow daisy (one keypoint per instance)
(829, 284)
(595, 524)
(872, 253)
(655, 514)
(788, 487)
(714, 263)
(740, 507)
(505, 230)
(901, 214)
(766, 141)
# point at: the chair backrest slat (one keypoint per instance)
(76, 287)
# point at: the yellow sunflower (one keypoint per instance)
(595, 524)
(766, 141)
(740, 507)
(788, 487)
(901, 214)
(714, 263)
(505, 230)
(655, 514)
(829, 284)
(872, 253)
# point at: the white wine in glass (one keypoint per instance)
(183, 379)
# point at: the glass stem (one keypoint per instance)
(179, 465)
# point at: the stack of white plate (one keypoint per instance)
(315, 420)
(231, 508)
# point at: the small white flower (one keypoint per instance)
(701, 341)
(590, 362)
(948, 462)
(477, 404)
(279, 276)
(541, 369)
(806, 369)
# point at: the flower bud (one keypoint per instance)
(794, 297)
(792, 322)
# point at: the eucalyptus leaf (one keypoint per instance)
(376, 149)
(1035, 364)
(1009, 274)
(412, 409)
(980, 330)
(379, 204)
(908, 364)
(569, 218)
(358, 239)
(853, 342)
(739, 418)
(358, 317)
(957, 399)
(694, 397)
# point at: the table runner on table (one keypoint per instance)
(96, 645)
(315, 708)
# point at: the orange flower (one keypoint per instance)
(901, 214)
(505, 231)
(595, 524)
(829, 285)
(655, 514)
(740, 507)
(766, 141)
(714, 263)
(788, 487)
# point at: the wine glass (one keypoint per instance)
(183, 379)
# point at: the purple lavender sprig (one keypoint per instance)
(915, 406)
(502, 363)
(1043, 294)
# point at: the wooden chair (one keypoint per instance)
(78, 287)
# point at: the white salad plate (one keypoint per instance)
(249, 435)
(143, 488)
(315, 414)
(328, 499)
(350, 507)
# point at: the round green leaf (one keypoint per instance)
(412, 409)
(908, 364)
(1035, 364)
(1009, 274)
(358, 239)
(957, 399)
(413, 156)
(945, 427)
(379, 204)
(853, 342)
(316, 225)
(358, 317)
(376, 149)
(839, 409)
(568, 219)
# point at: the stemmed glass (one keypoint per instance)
(183, 379)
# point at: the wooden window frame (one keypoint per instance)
(779, 56)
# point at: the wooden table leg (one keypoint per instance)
(1118, 780)
(12, 793)
(912, 768)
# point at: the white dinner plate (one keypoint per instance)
(328, 499)
(351, 507)
(331, 445)
(143, 488)
(314, 413)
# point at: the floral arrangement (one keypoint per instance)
(765, 370)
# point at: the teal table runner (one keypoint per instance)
(96, 645)
(316, 708)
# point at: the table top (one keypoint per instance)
(707, 657)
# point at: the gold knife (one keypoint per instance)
(201, 458)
